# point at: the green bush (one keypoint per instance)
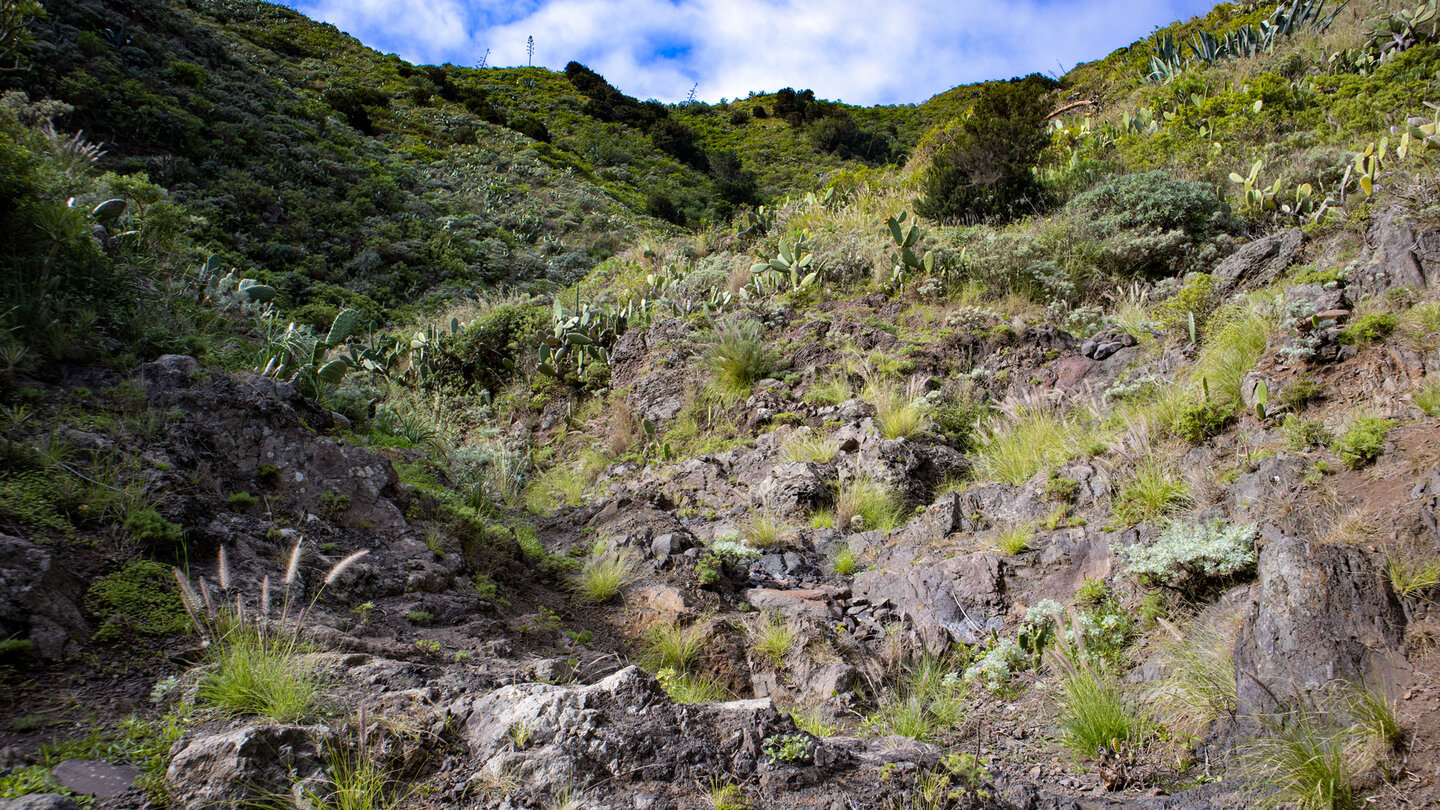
(1370, 328)
(987, 172)
(1363, 441)
(1151, 223)
(1194, 553)
(139, 598)
(151, 530)
(1199, 421)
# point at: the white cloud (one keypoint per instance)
(864, 53)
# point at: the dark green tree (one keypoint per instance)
(988, 172)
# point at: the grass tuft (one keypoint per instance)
(1094, 714)
(1015, 539)
(672, 646)
(739, 356)
(605, 572)
(252, 674)
(773, 637)
(875, 503)
(804, 445)
(1151, 492)
(898, 416)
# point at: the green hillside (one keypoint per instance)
(378, 435)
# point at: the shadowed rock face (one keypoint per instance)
(235, 423)
(1319, 614)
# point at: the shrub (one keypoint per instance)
(739, 356)
(987, 172)
(998, 665)
(139, 598)
(1150, 223)
(1094, 714)
(875, 503)
(1363, 441)
(1301, 434)
(1198, 421)
(1150, 493)
(1194, 552)
(605, 572)
(1370, 328)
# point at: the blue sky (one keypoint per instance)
(862, 53)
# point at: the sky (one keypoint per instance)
(893, 52)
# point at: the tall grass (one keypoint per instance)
(254, 674)
(605, 572)
(1197, 684)
(875, 503)
(1152, 491)
(1302, 760)
(1236, 341)
(672, 646)
(831, 389)
(898, 415)
(1027, 440)
(804, 445)
(256, 665)
(927, 700)
(763, 530)
(739, 356)
(1015, 539)
(1094, 713)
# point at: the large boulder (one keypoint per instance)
(623, 729)
(1319, 614)
(38, 600)
(791, 487)
(963, 594)
(1401, 253)
(1259, 262)
(248, 765)
(234, 424)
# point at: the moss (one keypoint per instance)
(33, 498)
(152, 530)
(138, 599)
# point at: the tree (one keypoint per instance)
(988, 172)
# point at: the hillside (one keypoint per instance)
(379, 435)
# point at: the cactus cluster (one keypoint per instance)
(1169, 59)
(786, 271)
(905, 263)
